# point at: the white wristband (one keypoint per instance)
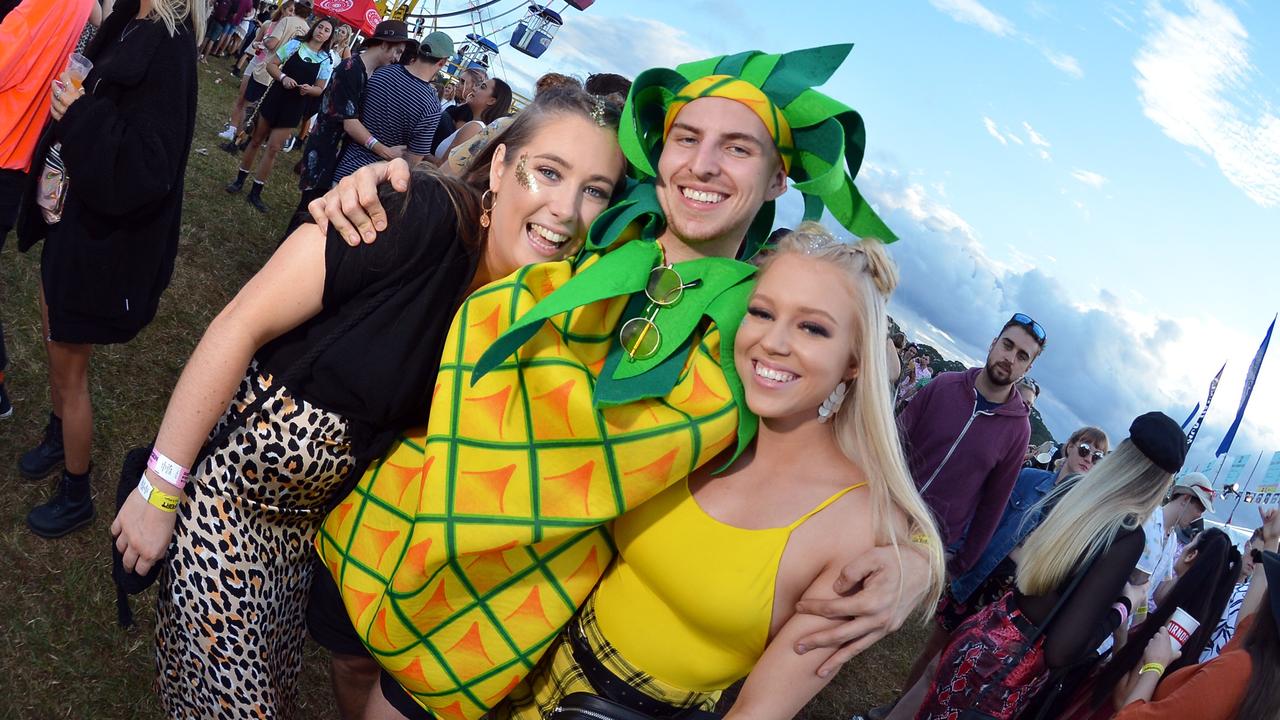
(168, 470)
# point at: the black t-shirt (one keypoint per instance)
(451, 119)
(386, 310)
(985, 405)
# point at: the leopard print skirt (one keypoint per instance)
(230, 613)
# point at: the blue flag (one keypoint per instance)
(1190, 417)
(1204, 410)
(1250, 379)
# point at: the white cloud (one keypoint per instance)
(972, 12)
(1194, 79)
(1035, 137)
(1044, 154)
(1089, 177)
(1014, 139)
(992, 130)
(1064, 62)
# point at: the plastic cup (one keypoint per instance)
(78, 67)
(1180, 626)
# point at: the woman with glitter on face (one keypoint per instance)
(334, 351)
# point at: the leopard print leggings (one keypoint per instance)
(230, 613)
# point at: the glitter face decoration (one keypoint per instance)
(524, 177)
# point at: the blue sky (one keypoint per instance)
(1110, 168)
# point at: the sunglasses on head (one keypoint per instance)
(1036, 329)
(1085, 450)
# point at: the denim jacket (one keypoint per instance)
(1030, 487)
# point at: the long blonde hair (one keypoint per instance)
(174, 13)
(1118, 493)
(864, 426)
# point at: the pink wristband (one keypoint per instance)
(1124, 613)
(168, 470)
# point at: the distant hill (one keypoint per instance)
(1039, 431)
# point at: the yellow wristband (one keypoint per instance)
(1155, 667)
(157, 498)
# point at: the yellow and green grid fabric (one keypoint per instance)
(462, 554)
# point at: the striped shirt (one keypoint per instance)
(399, 109)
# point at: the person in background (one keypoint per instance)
(1029, 390)
(1206, 569)
(300, 69)
(236, 27)
(401, 109)
(965, 435)
(1243, 683)
(1192, 495)
(252, 37)
(1225, 628)
(994, 573)
(120, 141)
(251, 88)
(460, 155)
(608, 85)
(218, 25)
(460, 111)
(490, 101)
(338, 122)
(49, 30)
(1071, 571)
(339, 50)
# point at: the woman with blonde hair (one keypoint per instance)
(1070, 577)
(708, 573)
(105, 197)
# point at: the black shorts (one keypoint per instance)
(327, 619)
(400, 700)
(331, 628)
(253, 92)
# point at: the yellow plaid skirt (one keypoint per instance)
(558, 675)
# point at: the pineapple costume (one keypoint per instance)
(462, 554)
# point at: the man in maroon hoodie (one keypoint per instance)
(965, 435)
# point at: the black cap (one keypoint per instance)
(1159, 438)
(391, 31)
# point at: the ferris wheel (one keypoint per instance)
(487, 26)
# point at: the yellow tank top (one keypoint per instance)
(689, 599)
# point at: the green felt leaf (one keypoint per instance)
(758, 69)
(658, 381)
(800, 70)
(621, 272)
(639, 203)
(727, 313)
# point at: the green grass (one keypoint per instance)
(61, 653)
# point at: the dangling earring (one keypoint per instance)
(831, 405)
(489, 196)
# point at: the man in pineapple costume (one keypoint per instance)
(572, 391)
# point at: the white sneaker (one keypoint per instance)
(228, 134)
(288, 144)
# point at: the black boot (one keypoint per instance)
(255, 197)
(70, 508)
(237, 185)
(44, 458)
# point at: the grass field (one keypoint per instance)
(61, 653)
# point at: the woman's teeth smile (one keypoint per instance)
(545, 239)
(773, 374)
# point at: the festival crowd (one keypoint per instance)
(530, 412)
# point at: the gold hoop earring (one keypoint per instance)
(491, 197)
